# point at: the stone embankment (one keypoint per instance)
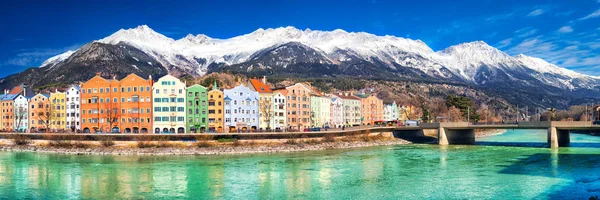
(190, 148)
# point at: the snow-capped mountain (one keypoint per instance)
(57, 59)
(341, 52)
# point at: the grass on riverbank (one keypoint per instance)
(201, 142)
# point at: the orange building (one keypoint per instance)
(372, 108)
(298, 106)
(39, 113)
(100, 109)
(215, 110)
(8, 112)
(135, 104)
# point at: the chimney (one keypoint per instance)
(5, 91)
(264, 79)
(97, 73)
(149, 77)
(114, 77)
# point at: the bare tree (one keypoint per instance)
(266, 109)
(455, 115)
(111, 115)
(20, 114)
(46, 115)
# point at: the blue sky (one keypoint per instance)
(566, 33)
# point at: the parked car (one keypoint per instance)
(411, 123)
(597, 122)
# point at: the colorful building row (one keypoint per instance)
(139, 105)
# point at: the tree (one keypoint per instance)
(426, 117)
(266, 109)
(20, 114)
(46, 114)
(455, 115)
(111, 115)
(465, 105)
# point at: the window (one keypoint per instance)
(157, 91)
(157, 119)
(157, 100)
(180, 119)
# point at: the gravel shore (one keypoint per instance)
(217, 150)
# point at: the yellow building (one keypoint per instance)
(215, 110)
(58, 112)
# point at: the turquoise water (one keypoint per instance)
(397, 172)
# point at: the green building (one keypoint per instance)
(197, 109)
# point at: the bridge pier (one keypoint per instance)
(558, 138)
(455, 136)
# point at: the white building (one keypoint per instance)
(279, 101)
(72, 104)
(169, 105)
(241, 109)
(320, 110)
(21, 111)
(336, 113)
(390, 112)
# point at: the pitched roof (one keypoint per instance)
(16, 90)
(282, 91)
(259, 86)
(351, 97)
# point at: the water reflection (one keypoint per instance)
(407, 172)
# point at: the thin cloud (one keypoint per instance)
(591, 15)
(35, 57)
(525, 32)
(536, 12)
(504, 43)
(565, 29)
(578, 52)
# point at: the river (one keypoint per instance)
(415, 171)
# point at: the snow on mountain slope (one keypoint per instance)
(473, 62)
(557, 76)
(466, 59)
(50, 62)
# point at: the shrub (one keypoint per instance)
(329, 138)
(292, 142)
(203, 144)
(145, 144)
(107, 142)
(223, 140)
(21, 140)
(80, 144)
(237, 143)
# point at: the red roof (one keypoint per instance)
(16, 90)
(282, 91)
(259, 86)
(352, 97)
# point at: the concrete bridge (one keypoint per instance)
(464, 132)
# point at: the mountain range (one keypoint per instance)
(520, 79)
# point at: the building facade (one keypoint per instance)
(135, 103)
(390, 112)
(58, 112)
(266, 107)
(100, 107)
(39, 113)
(215, 110)
(279, 108)
(73, 106)
(337, 112)
(241, 109)
(320, 107)
(372, 109)
(21, 111)
(352, 109)
(298, 107)
(169, 105)
(197, 109)
(8, 112)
